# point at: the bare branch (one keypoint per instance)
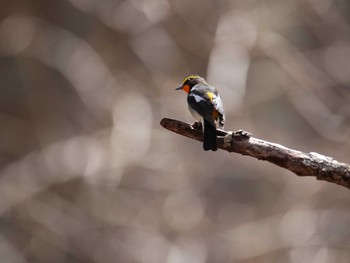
(302, 164)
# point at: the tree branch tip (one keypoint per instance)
(302, 164)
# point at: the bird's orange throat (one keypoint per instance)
(186, 88)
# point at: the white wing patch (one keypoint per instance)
(197, 97)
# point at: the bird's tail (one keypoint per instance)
(209, 142)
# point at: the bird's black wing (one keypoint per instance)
(207, 102)
(199, 100)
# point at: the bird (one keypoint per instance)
(205, 105)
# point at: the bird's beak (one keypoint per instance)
(178, 88)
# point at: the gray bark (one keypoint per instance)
(302, 164)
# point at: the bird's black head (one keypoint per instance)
(191, 81)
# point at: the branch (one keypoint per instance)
(302, 164)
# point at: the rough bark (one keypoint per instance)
(302, 164)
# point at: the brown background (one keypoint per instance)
(87, 173)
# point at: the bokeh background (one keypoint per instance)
(88, 174)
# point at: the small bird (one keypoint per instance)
(205, 105)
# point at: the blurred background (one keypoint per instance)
(88, 174)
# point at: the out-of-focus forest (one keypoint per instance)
(88, 174)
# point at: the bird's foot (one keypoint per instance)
(197, 126)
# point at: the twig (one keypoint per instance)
(302, 164)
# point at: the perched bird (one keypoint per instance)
(205, 104)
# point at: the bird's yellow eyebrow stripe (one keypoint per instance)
(189, 77)
(210, 95)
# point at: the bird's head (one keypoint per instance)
(189, 82)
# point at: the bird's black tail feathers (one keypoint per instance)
(209, 142)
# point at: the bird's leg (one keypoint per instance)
(197, 125)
